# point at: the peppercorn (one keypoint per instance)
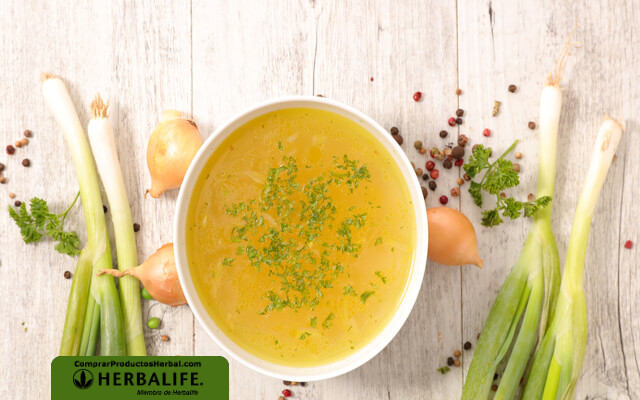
(433, 185)
(417, 144)
(486, 132)
(419, 171)
(3, 180)
(425, 177)
(495, 377)
(450, 361)
(467, 345)
(447, 164)
(394, 130)
(165, 338)
(18, 143)
(280, 397)
(424, 192)
(294, 383)
(459, 112)
(10, 150)
(26, 162)
(398, 139)
(455, 192)
(28, 133)
(512, 88)
(459, 121)
(518, 155)
(458, 92)
(286, 393)
(429, 165)
(422, 151)
(444, 200)
(516, 167)
(319, 95)
(456, 363)
(466, 177)
(104, 208)
(452, 121)
(12, 195)
(434, 174)
(531, 197)
(494, 387)
(417, 96)
(628, 244)
(24, 141)
(443, 134)
(136, 227)
(532, 125)
(459, 162)
(457, 353)
(286, 383)
(460, 181)
(67, 275)
(303, 384)
(1, 167)
(463, 140)
(457, 152)
(503, 195)
(17, 203)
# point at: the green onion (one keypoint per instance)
(104, 152)
(82, 314)
(558, 361)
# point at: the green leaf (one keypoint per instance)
(444, 370)
(512, 208)
(478, 161)
(491, 218)
(475, 190)
(502, 177)
(365, 296)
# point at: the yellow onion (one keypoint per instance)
(159, 276)
(171, 148)
(452, 239)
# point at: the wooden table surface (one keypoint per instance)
(214, 58)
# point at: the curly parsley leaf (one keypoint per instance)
(39, 222)
(496, 177)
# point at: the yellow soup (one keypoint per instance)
(300, 237)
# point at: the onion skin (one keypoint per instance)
(159, 276)
(172, 146)
(452, 238)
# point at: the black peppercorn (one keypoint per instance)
(67, 275)
(457, 152)
(398, 139)
(532, 125)
(450, 361)
(447, 164)
(17, 203)
(394, 130)
(136, 227)
(459, 112)
(425, 177)
(26, 162)
(459, 121)
(443, 134)
(433, 185)
(463, 140)
(512, 88)
(467, 345)
(28, 133)
(104, 208)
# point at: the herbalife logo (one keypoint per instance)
(83, 379)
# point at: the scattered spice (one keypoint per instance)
(443, 134)
(394, 130)
(433, 185)
(419, 171)
(456, 363)
(294, 383)
(459, 162)
(286, 393)
(425, 177)
(18, 143)
(503, 195)
(447, 164)
(467, 345)
(280, 397)
(486, 132)
(516, 167)
(136, 227)
(512, 88)
(287, 383)
(518, 155)
(495, 377)
(165, 338)
(67, 275)
(466, 177)
(463, 140)
(457, 152)
(459, 112)
(417, 96)
(531, 125)
(1, 167)
(17, 203)
(434, 174)
(459, 121)
(457, 353)
(452, 121)
(458, 92)
(3, 180)
(628, 244)
(422, 151)
(12, 195)
(24, 141)
(424, 192)
(455, 192)
(450, 361)
(398, 139)
(104, 208)
(417, 144)
(319, 95)
(531, 197)
(10, 150)
(444, 199)
(496, 108)
(371, 79)
(27, 133)
(494, 387)
(26, 162)
(460, 181)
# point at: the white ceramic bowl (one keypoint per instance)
(415, 280)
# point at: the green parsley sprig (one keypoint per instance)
(498, 176)
(40, 222)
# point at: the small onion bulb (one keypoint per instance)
(452, 239)
(171, 148)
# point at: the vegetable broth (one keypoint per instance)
(300, 237)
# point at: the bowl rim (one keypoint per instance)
(412, 289)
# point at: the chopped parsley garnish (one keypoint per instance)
(378, 241)
(382, 277)
(326, 324)
(498, 176)
(304, 335)
(348, 290)
(299, 212)
(314, 322)
(228, 261)
(444, 370)
(365, 296)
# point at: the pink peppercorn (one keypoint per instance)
(452, 121)
(444, 199)
(417, 96)
(434, 174)
(286, 393)
(459, 162)
(430, 165)
(628, 244)
(486, 132)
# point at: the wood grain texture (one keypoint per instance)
(213, 59)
